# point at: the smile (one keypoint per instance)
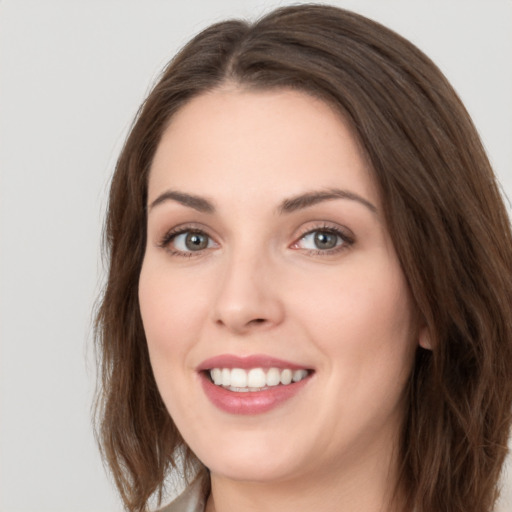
(250, 385)
(256, 379)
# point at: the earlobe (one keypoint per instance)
(424, 340)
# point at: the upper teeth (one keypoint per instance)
(255, 377)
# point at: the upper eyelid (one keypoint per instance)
(168, 235)
(189, 226)
(326, 226)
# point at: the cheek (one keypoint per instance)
(172, 312)
(172, 309)
(361, 315)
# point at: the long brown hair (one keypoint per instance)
(443, 211)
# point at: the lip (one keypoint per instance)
(250, 402)
(247, 362)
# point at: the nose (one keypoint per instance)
(248, 297)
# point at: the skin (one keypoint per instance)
(261, 287)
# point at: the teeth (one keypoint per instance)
(273, 377)
(226, 377)
(299, 375)
(216, 375)
(286, 377)
(255, 379)
(238, 378)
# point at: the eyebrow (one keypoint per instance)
(311, 198)
(289, 205)
(196, 202)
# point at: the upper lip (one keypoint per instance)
(247, 362)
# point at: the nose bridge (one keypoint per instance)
(247, 297)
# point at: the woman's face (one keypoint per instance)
(268, 260)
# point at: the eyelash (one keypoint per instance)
(347, 240)
(171, 235)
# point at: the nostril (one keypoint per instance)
(257, 321)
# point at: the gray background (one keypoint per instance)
(72, 74)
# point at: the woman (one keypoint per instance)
(310, 279)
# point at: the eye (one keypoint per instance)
(321, 240)
(185, 242)
(191, 241)
(324, 240)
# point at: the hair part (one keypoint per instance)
(444, 213)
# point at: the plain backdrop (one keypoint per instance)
(72, 74)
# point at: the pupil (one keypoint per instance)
(324, 240)
(196, 241)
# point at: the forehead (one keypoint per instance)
(268, 143)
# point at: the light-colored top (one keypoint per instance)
(192, 499)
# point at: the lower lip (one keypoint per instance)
(250, 402)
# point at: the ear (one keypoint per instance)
(424, 339)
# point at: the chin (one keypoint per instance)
(250, 459)
(253, 471)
